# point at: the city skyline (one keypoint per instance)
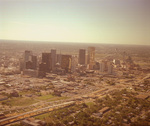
(83, 84)
(114, 22)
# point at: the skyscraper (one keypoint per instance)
(27, 55)
(21, 64)
(91, 57)
(42, 69)
(46, 58)
(102, 66)
(82, 56)
(74, 63)
(58, 58)
(110, 68)
(34, 62)
(66, 62)
(29, 65)
(53, 58)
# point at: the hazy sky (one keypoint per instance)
(102, 21)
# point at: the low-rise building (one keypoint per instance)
(32, 122)
(3, 97)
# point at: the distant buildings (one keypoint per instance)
(58, 59)
(96, 66)
(53, 59)
(91, 57)
(66, 62)
(58, 63)
(82, 56)
(109, 68)
(21, 64)
(106, 67)
(102, 66)
(34, 62)
(29, 61)
(43, 67)
(74, 63)
(27, 58)
(27, 55)
(28, 64)
(116, 62)
(46, 62)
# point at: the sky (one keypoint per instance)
(92, 21)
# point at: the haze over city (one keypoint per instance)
(74, 63)
(84, 21)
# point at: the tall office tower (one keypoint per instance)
(91, 57)
(34, 62)
(110, 68)
(82, 56)
(21, 64)
(29, 65)
(66, 62)
(58, 58)
(27, 55)
(97, 66)
(46, 58)
(74, 63)
(53, 58)
(86, 59)
(42, 69)
(102, 66)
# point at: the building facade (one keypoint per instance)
(82, 54)
(66, 62)
(91, 57)
(46, 58)
(53, 58)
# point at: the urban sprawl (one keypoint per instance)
(57, 89)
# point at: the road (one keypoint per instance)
(99, 93)
(33, 113)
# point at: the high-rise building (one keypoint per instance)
(34, 62)
(96, 66)
(29, 65)
(110, 68)
(27, 55)
(21, 64)
(91, 57)
(58, 58)
(74, 63)
(46, 58)
(53, 58)
(102, 66)
(66, 62)
(82, 56)
(42, 69)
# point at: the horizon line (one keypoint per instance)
(47, 41)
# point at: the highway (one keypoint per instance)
(53, 106)
(33, 113)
